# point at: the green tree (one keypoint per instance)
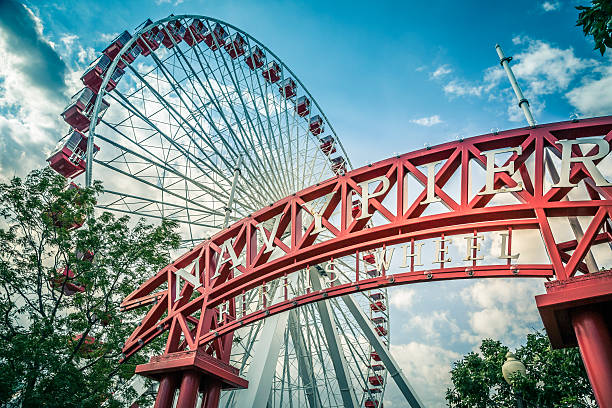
(596, 21)
(60, 329)
(555, 378)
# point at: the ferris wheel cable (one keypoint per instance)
(151, 201)
(151, 184)
(319, 338)
(220, 133)
(153, 216)
(236, 86)
(272, 164)
(125, 103)
(265, 104)
(176, 114)
(168, 169)
(177, 50)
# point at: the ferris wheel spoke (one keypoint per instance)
(221, 113)
(263, 171)
(187, 155)
(165, 169)
(148, 183)
(265, 130)
(210, 121)
(268, 131)
(176, 115)
(320, 340)
(266, 147)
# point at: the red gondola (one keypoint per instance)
(303, 106)
(338, 165)
(78, 112)
(62, 281)
(327, 145)
(376, 380)
(256, 58)
(174, 29)
(235, 47)
(369, 258)
(378, 306)
(371, 403)
(87, 347)
(374, 355)
(356, 209)
(272, 72)
(288, 88)
(69, 157)
(84, 255)
(195, 33)
(377, 296)
(316, 125)
(117, 44)
(93, 76)
(216, 38)
(381, 331)
(151, 40)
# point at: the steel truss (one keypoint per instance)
(292, 227)
(187, 126)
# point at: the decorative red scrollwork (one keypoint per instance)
(201, 295)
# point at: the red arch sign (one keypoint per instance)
(331, 220)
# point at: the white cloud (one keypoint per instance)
(594, 96)
(441, 71)
(551, 5)
(32, 94)
(460, 88)
(402, 298)
(432, 325)
(427, 367)
(427, 121)
(502, 309)
(543, 69)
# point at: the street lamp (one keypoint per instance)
(512, 366)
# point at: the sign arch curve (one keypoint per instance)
(199, 295)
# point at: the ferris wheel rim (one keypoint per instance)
(102, 92)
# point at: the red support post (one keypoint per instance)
(188, 394)
(595, 343)
(212, 394)
(165, 392)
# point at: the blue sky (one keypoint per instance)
(390, 77)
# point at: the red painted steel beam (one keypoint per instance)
(405, 223)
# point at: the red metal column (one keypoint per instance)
(165, 392)
(596, 349)
(212, 394)
(188, 394)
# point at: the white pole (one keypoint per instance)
(523, 103)
(230, 202)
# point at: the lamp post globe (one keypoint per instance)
(512, 366)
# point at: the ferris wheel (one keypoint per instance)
(191, 119)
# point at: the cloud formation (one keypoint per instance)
(543, 69)
(32, 91)
(442, 70)
(551, 6)
(427, 121)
